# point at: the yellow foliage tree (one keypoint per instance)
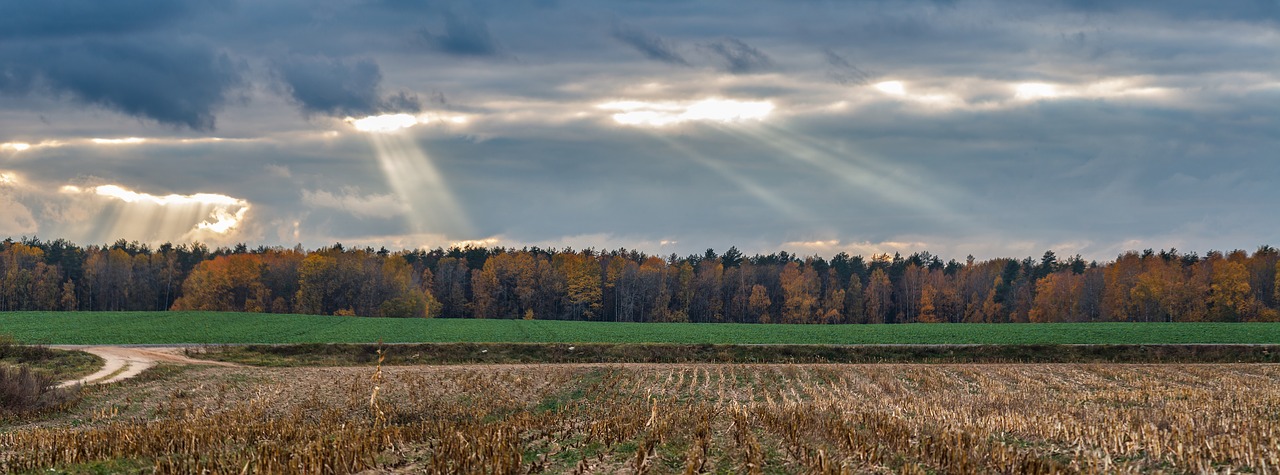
(1229, 291)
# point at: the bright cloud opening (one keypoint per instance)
(661, 114)
(383, 124)
(129, 196)
(8, 178)
(15, 146)
(891, 87)
(223, 221)
(388, 123)
(486, 242)
(1035, 90)
(123, 141)
(148, 217)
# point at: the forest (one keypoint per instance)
(631, 286)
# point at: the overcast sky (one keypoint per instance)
(990, 128)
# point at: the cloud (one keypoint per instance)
(464, 35)
(54, 18)
(1256, 10)
(169, 80)
(662, 114)
(843, 72)
(350, 200)
(331, 86)
(652, 46)
(739, 57)
(122, 212)
(15, 218)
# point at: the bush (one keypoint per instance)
(26, 391)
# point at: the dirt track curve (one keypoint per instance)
(126, 362)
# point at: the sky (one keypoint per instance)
(984, 128)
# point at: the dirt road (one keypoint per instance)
(126, 362)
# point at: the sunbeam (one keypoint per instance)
(417, 182)
(885, 182)
(766, 196)
(125, 213)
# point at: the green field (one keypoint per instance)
(213, 327)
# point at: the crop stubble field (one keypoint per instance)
(899, 418)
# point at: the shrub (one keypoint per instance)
(26, 391)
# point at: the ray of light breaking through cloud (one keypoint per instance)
(864, 173)
(128, 214)
(413, 177)
(769, 198)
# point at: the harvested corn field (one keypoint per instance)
(669, 419)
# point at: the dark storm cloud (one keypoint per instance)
(464, 35)
(332, 86)
(739, 57)
(110, 54)
(173, 82)
(651, 46)
(52, 18)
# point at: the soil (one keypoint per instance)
(126, 362)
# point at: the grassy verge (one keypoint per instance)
(497, 353)
(58, 364)
(114, 328)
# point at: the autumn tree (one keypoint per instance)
(1276, 293)
(316, 283)
(707, 301)
(225, 283)
(582, 298)
(1121, 277)
(511, 285)
(494, 288)
(758, 304)
(1229, 293)
(928, 309)
(738, 280)
(878, 295)
(26, 281)
(396, 293)
(800, 289)
(452, 277)
(1057, 298)
(680, 288)
(1151, 291)
(833, 301)
(280, 278)
(655, 293)
(854, 306)
(108, 275)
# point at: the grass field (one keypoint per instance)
(91, 328)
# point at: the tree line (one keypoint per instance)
(631, 286)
